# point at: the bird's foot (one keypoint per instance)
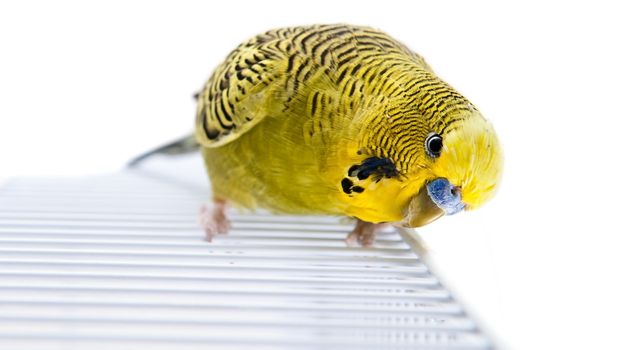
(363, 234)
(214, 221)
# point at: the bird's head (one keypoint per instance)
(461, 171)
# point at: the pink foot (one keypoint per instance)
(214, 221)
(363, 234)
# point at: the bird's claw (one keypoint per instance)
(363, 234)
(214, 221)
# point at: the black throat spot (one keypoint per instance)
(375, 167)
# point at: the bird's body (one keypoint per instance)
(337, 119)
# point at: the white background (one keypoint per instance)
(84, 87)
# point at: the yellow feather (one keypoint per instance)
(289, 117)
(474, 160)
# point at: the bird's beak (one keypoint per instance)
(422, 211)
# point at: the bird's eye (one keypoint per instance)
(434, 145)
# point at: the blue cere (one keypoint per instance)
(440, 191)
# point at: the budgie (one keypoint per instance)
(341, 120)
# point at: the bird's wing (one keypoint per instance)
(237, 95)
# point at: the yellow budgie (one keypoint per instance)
(341, 120)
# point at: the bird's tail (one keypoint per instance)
(186, 144)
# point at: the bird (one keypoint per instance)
(341, 120)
